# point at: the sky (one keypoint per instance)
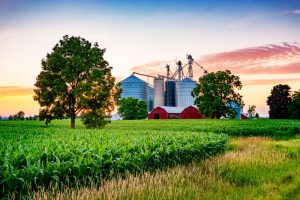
(258, 40)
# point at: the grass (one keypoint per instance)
(253, 168)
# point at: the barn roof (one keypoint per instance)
(194, 106)
(170, 109)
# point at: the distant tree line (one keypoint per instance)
(21, 116)
(283, 103)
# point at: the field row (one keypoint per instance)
(253, 168)
(263, 127)
(44, 157)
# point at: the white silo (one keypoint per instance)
(184, 90)
(159, 92)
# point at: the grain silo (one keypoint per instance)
(159, 96)
(170, 93)
(150, 98)
(184, 89)
(134, 87)
(237, 108)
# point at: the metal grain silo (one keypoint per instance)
(170, 94)
(238, 109)
(159, 96)
(134, 87)
(184, 89)
(150, 98)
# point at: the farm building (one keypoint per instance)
(165, 112)
(244, 116)
(136, 88)
(191, 112)
(169, 112)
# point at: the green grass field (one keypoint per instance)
(149, 159)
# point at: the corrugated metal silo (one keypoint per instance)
(184, 89)
(150, 98)
(134, 87)
(170, 94)
(159, 97)
(238, 109)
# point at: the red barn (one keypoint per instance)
(243, 116)
(165, 112)
(191, 113)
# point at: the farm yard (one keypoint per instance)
(149, 159)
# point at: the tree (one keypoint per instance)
(10, 117)
(75, 78)
(251, 111)
(20, 115)
(257, 116)
(130, 108)
(215, 94)
(294, 107)
(15, 116)
(279, 101)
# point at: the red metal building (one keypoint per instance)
(243, 116)
(165, 112)
(191, 113)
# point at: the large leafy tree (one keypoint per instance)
(279, 101)
(216, 96)
(294, 107)
(131, 108)
(75, 78)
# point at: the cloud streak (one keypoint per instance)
(296, 12)
(270, 59)
(15, 91)
(270, 81)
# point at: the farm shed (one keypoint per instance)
(191, 112)
(243, 116)
(165, 112)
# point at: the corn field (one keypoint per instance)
(57, 157)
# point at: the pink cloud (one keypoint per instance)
(152, 68)
(268, 59)
(270, 81)
(296, 12)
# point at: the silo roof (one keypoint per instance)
(132, 78)
(233, 104)
(170, 109)
(187, 80)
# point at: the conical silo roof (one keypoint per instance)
(132, 78)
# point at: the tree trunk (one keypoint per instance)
(73, 121)
(72, 110)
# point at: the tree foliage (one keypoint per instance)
(278, 102)
(215, 94)
(251, 111)
(20, 115)
(75, 78)
(131, 108)
(294, 107)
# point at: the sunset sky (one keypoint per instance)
(258, 40)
